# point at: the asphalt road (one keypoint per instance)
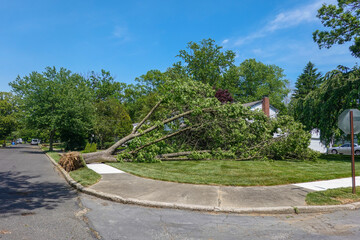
(119, 221)
(35, 200)
(37, 203)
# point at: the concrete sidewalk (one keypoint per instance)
(125, 188)
(132, 187)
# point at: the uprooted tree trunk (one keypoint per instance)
(71, 161)
(107, 155)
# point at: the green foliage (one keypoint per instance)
(93, 147)
(252, 80)
(293, 141)
(228, 130)
(259, 80)
(344, 23)
(206, 62)
(111, 121)
(87, 148)
(90, 147)
(8, 120)
(56, 102)
(321, 108)
(104, 86)
(308, 81)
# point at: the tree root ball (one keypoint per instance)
(71, 161)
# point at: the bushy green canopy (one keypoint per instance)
(222, 130)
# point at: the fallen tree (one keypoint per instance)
(178, 100)
(194, 125)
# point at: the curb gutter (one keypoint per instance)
(256, 210)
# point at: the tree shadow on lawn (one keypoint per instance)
(19, 193)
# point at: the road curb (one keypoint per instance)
(255, 210)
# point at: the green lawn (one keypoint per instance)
(333, 196)
(85, 176)
(244, 173)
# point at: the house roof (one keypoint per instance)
(253, 104)
(250, 104)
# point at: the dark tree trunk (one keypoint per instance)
(51, 140)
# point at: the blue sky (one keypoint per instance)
(128, 38)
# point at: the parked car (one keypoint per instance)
(345, 149)
(35, 141)
(19, 141)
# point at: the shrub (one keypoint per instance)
(87, 148)
(93, 147)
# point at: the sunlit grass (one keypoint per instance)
(333, 196)
(243, 173)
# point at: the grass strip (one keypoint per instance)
(333, 196)
(85, 176)
(243, 173)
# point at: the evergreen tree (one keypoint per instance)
(308, 81)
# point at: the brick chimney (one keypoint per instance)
(266, 106)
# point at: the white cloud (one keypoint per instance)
(225, 41)
(121, 33)
(286, 19)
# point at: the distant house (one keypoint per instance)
(264, 105)
(271, 111)
(315, 143)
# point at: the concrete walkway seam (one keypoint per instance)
(255, 210)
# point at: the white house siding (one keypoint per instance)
(272, 112)
(315, 143)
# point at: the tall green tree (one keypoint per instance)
(56, 102)
(252, 80)
(322, 107)
(344, 23)
(104, 86)
(206, 62)
(7, 115)
(309, 80)
(111, 122)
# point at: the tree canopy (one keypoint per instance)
(56, 102)
(189, 120)
(206, 62)
(309, 80)
(8, 120)
(321, 107)
(252, 80)
(344, 23)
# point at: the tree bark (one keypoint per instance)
(51, 140)
(178, 154)
(106, 156)
(160, 139)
